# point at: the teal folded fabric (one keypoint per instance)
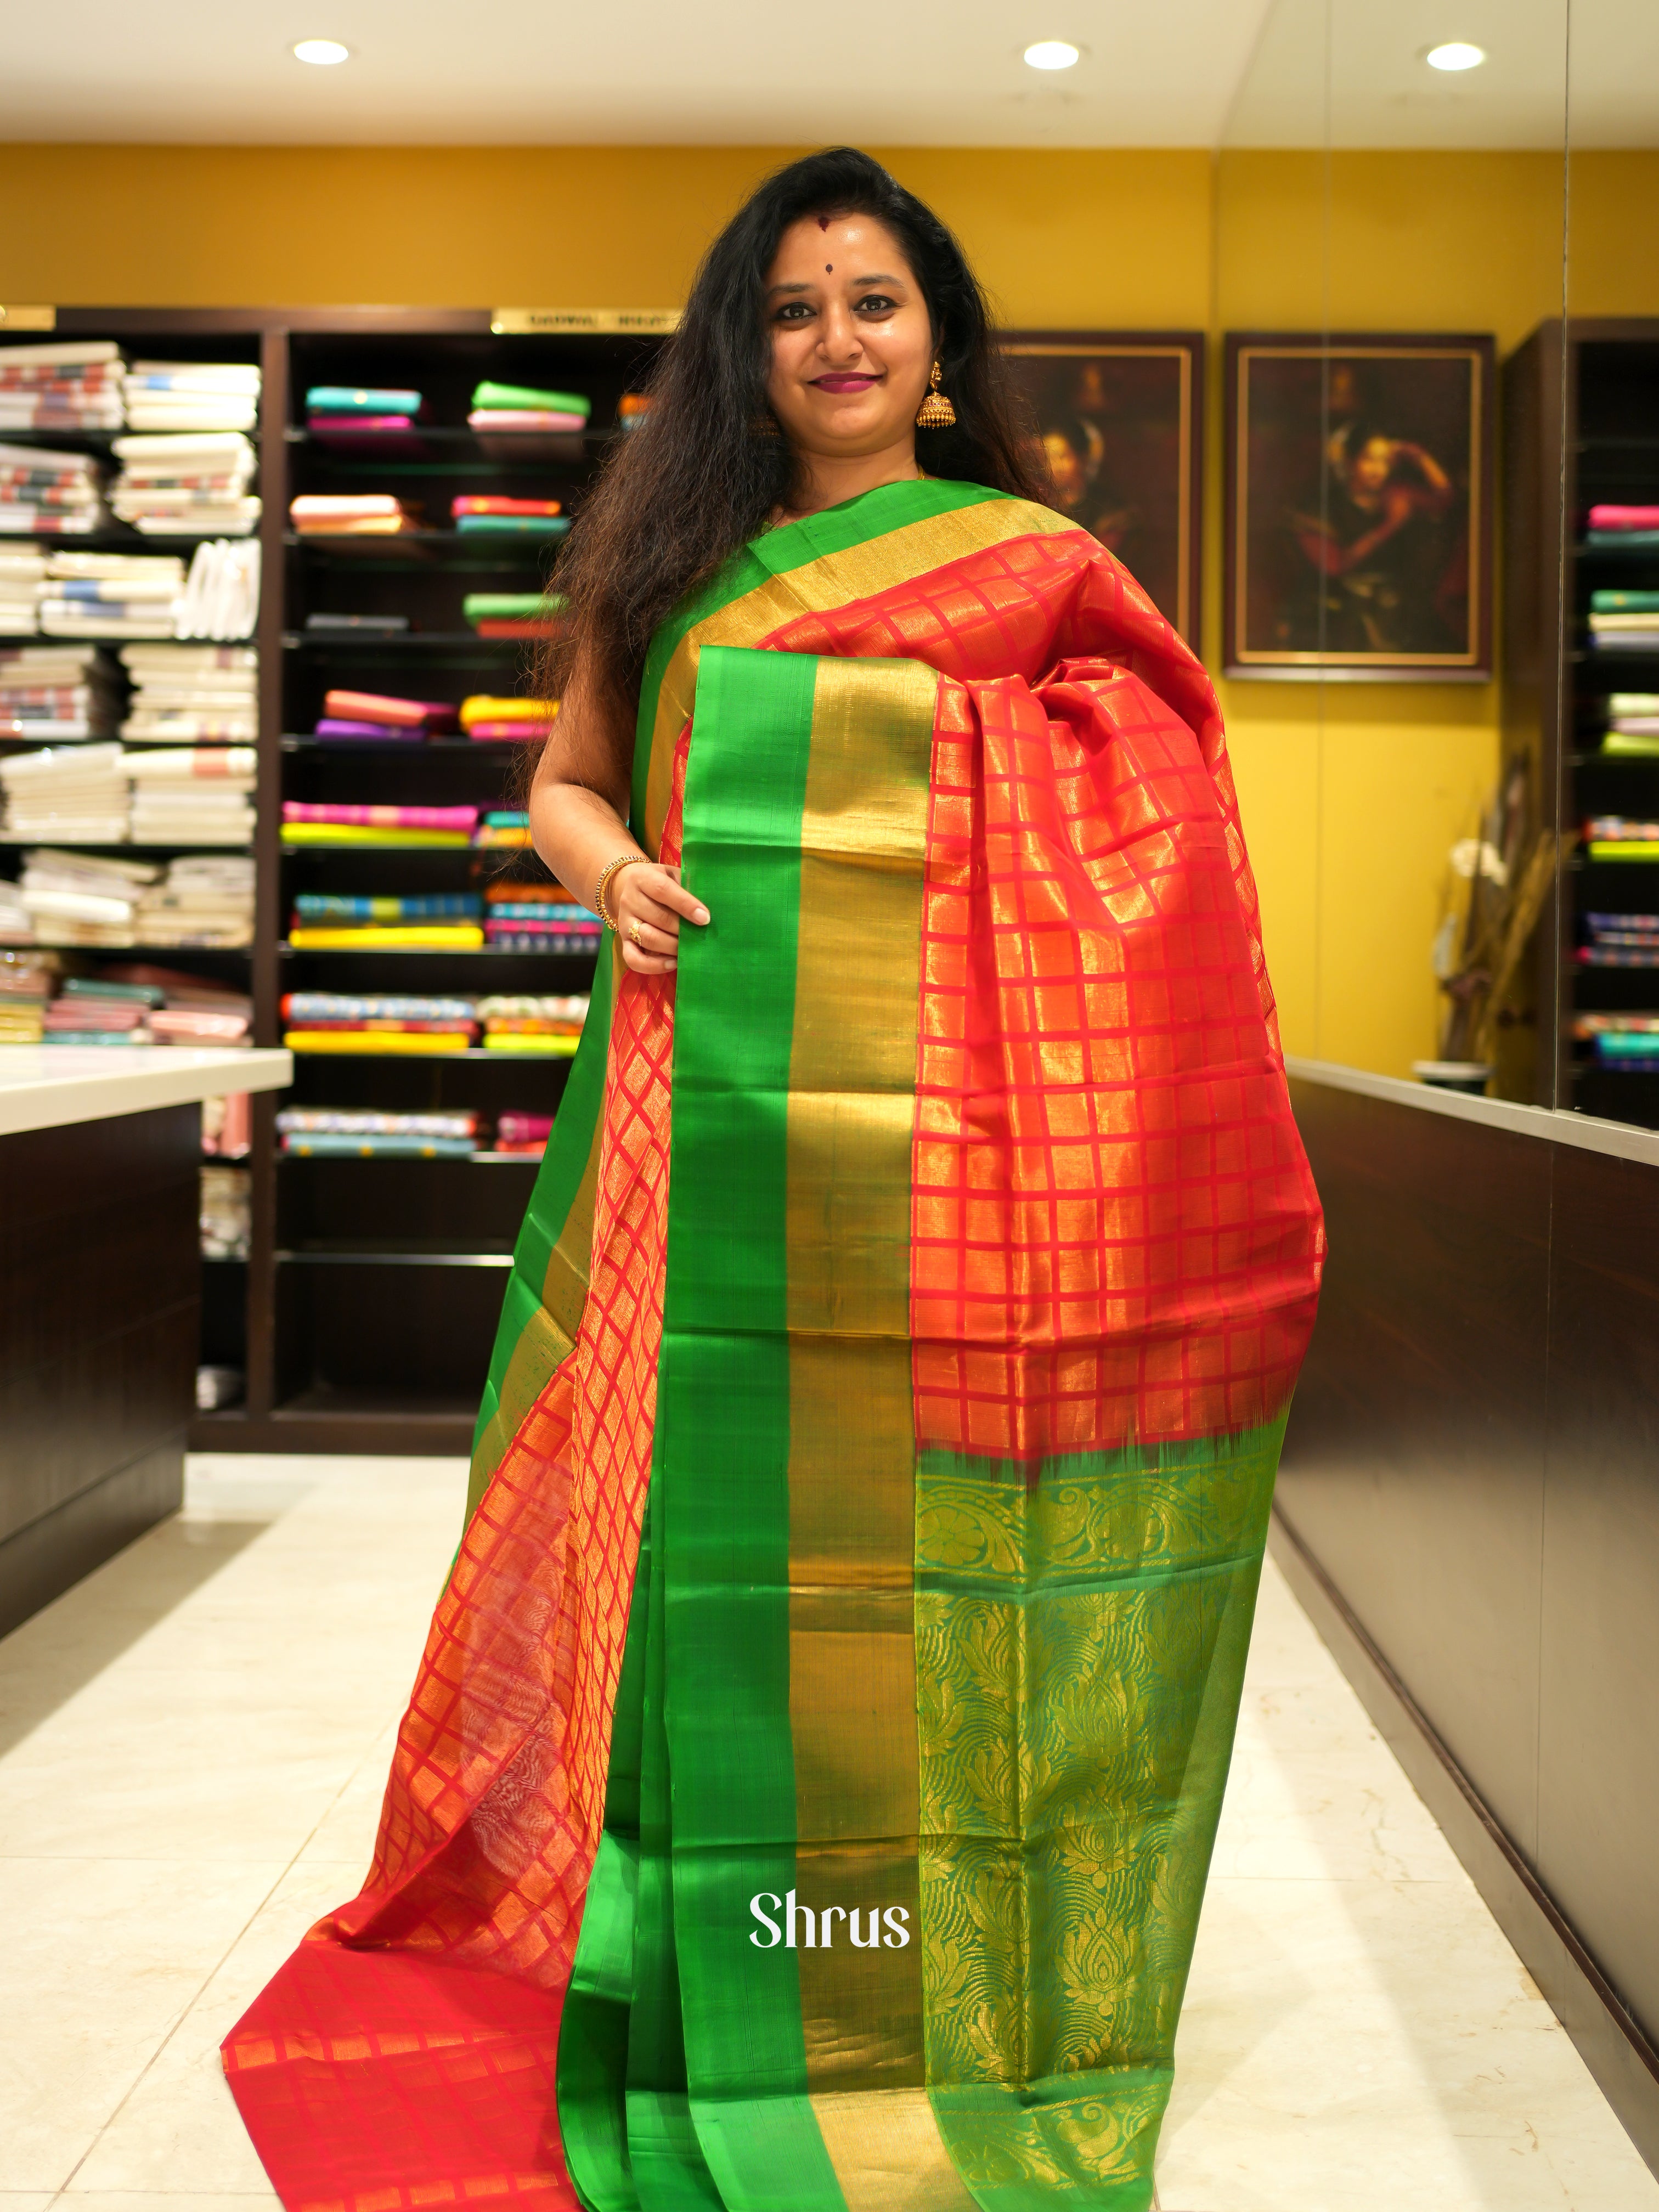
(513, 525)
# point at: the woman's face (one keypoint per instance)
(852, 343)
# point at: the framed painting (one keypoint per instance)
(1359, 532)
(1121, 416)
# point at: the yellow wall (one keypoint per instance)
(1351, 793)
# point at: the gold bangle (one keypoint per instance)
(622, 860)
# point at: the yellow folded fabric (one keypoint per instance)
(1624, 849)
(435, 936)
(337, 833)
(481, 707)
(556, 1047)
(373, 1041)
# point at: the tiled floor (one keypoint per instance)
(193, 1745)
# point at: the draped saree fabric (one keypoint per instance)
(807, 1793)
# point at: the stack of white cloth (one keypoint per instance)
(44, 494)
(204, 900)
(56, 691)
(187, 693)
(16, 927)
(22, 572)
(73, 384)
(73, 899)
(192, 794)
(191, 485)
(221, 592)
(77, 792)
(111, 594)
(192, 395)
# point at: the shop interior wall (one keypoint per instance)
(1350, 812)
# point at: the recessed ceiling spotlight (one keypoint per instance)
(1457, 54)
(1052, 54)
(324, 52)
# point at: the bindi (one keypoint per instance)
(823, 222)
(829, 268)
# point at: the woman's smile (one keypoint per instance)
(845, 380)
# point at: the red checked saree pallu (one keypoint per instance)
(805, 1799)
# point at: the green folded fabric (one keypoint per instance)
(513, 525)
(525, 396)
(1625, 603)
(509, 607)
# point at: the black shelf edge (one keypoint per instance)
(448, 641)
(474, 1052)
(299, 1257)
(44, 839)
(413, 1159)
(380, 747)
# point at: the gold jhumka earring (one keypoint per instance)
(935, 412)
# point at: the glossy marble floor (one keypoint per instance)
(192, 1747)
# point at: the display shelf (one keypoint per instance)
(328, 1369)
(1581, 406)
(421, 952)
(113, 845)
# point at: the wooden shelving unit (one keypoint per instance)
(364, 1315)
(1581, 423)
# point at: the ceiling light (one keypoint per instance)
(1051, 54)
(1455, 55)
(322, 51)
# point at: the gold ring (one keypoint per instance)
(634, 935)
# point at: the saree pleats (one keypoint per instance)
(806, 1800)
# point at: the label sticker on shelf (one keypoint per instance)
(35, 319)
(516, 321)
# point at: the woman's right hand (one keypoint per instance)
(649, 902)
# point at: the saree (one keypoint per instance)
(806, 1795)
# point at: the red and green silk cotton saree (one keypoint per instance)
(806, 1800)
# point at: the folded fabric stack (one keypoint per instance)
(192, 794)
(1627, 1041)
(325, 623)
(1617, 837)
(538, 918)
(72, 899)
(188, 694)
(519, 407)
(335, 1133)
(15, 925)
(443, 922)
(111, 594)
(632, 409)
(226, 1213)
(26, 982)
(192, 395)
(505, 830)
(552, 1027)
(377, 1023)
(512, 614)
(78, 792)
(1625, 622)
(485, 516)
(49, 495)
(353, 514)
(190, 1010)
(342, 414)
(484, 718)
(22, 583)
(72, 385)
(443, 826)
(91, 1011)
(204, 900)
(194, 484)
(221, 592)
(57, 691)
(526, 1133)
(1632, 725)
(382, 717)
(1620, 940)
(1625, 527)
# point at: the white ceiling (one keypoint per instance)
(931, 72)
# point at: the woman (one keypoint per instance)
(806, 1795)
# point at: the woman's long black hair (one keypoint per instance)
(695, 481)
